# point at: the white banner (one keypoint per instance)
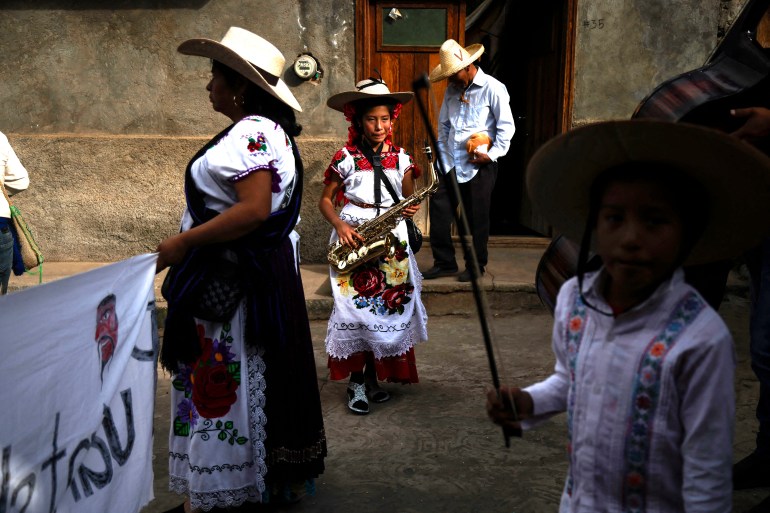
(77, 390)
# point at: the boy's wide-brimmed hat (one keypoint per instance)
(365, 89)
(735, 175)
(258, 60)
(453, 58)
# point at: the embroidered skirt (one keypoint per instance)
(377, 309)
(232, 438)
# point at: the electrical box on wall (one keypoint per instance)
(307, 68)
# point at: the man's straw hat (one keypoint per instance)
(734, 174)
(453, 58)
(250, 55)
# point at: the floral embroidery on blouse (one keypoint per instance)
(390, 160)
(575, 327)
(646, 392)
(258, 145)
(210, 387)
(380, 285)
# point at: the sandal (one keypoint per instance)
(377, 394)
(357, 401)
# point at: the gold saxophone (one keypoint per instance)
(379, 238)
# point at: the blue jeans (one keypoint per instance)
(758, 263)
(6, 258)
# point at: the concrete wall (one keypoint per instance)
(105, 113)
(625, 48)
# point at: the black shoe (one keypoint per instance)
(436, 272)
(762, 507)
(465, 276)
(753, 471)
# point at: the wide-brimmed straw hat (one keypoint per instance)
(453, 58)
(734, 174)
(258, 60)
(365, 89)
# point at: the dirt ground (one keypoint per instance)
(431, 448)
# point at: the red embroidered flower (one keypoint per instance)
(658, 349)
(213, 390)
(369, 281)
(575, 324)
(260, 144)
(401, 253)
(643, 402)
(635, 480)
(205, 344)
(390, 161)
(394, 298)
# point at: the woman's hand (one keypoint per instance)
(171, 251)
(411, 211)
(500, 411)
(347, 234)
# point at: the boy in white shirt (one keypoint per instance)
(644, 367)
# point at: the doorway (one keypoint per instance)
(529, 46)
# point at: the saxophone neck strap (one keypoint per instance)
(374, 158)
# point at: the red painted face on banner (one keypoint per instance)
(106, 329)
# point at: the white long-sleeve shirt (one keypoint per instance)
(650, 401)
(486, 109)
(13, 175)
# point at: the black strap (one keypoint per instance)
(379, 175)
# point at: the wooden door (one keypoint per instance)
(402, 46)
(535, 62)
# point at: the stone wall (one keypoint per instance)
(626, 48)
(105, 114)
(104, 198)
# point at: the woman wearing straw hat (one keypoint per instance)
(378, 315)
(246, 412)
(475, 105)
(644, 366)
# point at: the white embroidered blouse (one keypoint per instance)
(649, 399)
(357, 174)
(253, 144)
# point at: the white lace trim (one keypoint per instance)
(257, 418)
(209, 500)
(347, 344)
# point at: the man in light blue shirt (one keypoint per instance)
(474, 103)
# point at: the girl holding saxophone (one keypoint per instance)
(378, 315)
